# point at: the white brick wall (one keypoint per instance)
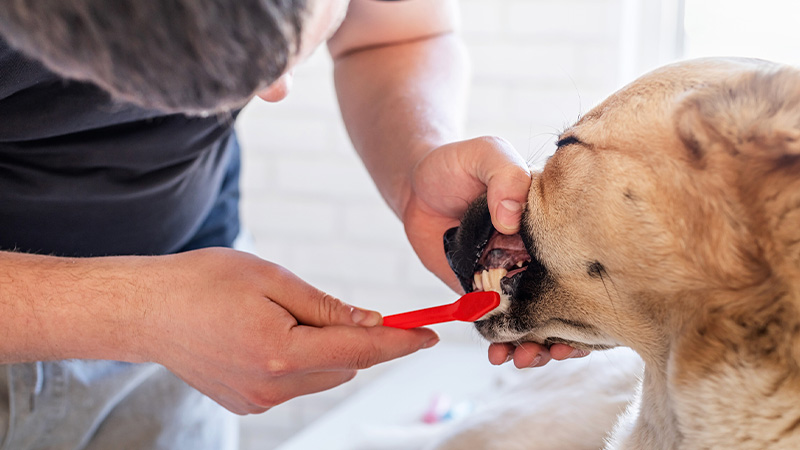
(312, 207)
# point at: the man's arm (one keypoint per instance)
(401, 78)
(60, 308)
(243, 331)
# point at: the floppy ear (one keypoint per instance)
(754, 114)
(747, 131)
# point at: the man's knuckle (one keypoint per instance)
(366, 357)
(493, 141)
(329, 308)
(278, 367)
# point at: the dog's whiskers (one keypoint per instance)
(603, 274)
(540, 156)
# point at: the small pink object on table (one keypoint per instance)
(468, 308)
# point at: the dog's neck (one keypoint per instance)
(730, 380)
(650, 421)
(731, 414)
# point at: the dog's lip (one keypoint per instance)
(464, 257)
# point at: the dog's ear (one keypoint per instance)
(754, 114)
(746, 131)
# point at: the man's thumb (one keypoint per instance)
(326, 310)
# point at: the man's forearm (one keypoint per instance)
(399, 102)
(60, 308)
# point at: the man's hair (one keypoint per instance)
(191, 56)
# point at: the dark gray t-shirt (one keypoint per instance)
(83, 175)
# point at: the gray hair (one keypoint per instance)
(192, 56)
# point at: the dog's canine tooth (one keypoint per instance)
(477, 282)
(495, 275)
(487, 283)
(489, 280)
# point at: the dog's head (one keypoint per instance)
(676, 198)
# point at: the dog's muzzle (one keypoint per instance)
(482, 258)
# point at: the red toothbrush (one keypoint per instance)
(468, 308)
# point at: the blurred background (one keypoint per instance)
(310, 206)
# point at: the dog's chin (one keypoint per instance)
(497, 329)
(507, 326)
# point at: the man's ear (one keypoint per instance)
(755, 115)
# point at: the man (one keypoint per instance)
(119, 169)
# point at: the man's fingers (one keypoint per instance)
(529, 354)
(337, 348)
(323, 309)
(506, 195)
(310, 306)
(563, 351)
(500, 354)
(508, 180)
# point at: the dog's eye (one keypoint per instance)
(569, 140)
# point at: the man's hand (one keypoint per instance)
(251, 335)
(447, 180)
(243, 331)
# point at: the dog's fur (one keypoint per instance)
(191, 56)
(668, 221)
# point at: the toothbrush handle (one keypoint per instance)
(421, 317)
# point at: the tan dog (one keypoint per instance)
(668, 221)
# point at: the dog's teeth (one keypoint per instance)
(519, 264)
(489, 280)
(495, 275)
(477, 283)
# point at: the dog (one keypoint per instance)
(667, 221)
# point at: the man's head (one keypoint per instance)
(191, 56)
